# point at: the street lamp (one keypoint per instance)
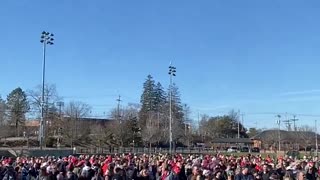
(172, 72)
(279, 133)
(46, 39)
(316, 133)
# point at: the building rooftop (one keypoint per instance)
(285, 135)
(232, 140)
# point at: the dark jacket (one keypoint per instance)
(131, 173)
(265, 176)
(191, 175)
(118, 177)
(71, 176)
(311, 174)
(244, 177)
(9, 173)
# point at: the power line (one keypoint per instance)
(272, 113)
(294, 122)
(288, 124)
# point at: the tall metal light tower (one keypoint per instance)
(172, 72)
(46, 39)
(316, 134)
(279, 135)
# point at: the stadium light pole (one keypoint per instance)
(316, 134)
(46, 39)
(172, 72)
(279, 133)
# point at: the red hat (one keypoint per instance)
(80, 163)
(310, 163)
(9, 161)
(176, 169)
(108, 160)
(269, 160)
(74, 160)
(258, 168)
(70, 167)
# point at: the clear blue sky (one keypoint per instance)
(261, 57)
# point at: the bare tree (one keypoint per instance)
(132, 109)
(270, 139)
(204, 125)
(52, 118)
(5, 131)
(151, 132)
(187, 124)
(306, 135)
(121, 129)
(306, 128)
(2, 112)
(76, 130)
(97, 134)
(50, 94)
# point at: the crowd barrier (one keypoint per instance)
(139, 150)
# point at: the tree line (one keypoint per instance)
(137, 124)
(148, 121)
(21, 105)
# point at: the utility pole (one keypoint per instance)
(239, 124)
(118, 109)
(242, 122)
(199, 124)
(288, 124)
(59, 104)
(279, 135)
(186, 118)
(316, 134)
(119, 119)
(294, 122)
(172, 72)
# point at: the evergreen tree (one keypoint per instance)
(52, 112)
(18, 106)
(160, 97)
(177, 113)
(135, 131)
(222, 127)
(177, 108)
(148, 100)
(2, 111)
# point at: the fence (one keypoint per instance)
(33, 152)
(140, 150)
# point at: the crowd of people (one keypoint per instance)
(159, 167)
